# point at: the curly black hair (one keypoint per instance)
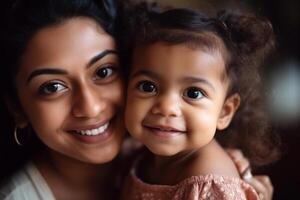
(244, 40)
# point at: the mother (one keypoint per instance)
(61, 81)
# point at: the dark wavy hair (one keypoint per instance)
(20, 21)
(244, 40)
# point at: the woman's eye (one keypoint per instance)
(147, 86)
(50, 88)
(193, 93)
(104, 72)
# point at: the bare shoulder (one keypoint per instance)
(213, 160)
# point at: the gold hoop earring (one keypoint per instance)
(16, 137)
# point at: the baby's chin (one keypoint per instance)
(166, 151)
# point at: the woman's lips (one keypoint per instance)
(83, 127)
(93, 133)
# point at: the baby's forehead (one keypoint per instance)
(161, 55)
(207, 41)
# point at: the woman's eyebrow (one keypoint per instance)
(100, 56)
(61, 71)
(45, 71)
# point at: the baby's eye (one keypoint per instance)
(104, 72)
(147, 86)
(51, 87)
(193, 93)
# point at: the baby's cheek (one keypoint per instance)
(202, 129)
(132, 118)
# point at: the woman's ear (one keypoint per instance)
(229, 108)
(17, 113)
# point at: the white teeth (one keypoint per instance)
(96, 131)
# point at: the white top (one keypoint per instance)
(26, 184)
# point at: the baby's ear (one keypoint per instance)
(17, 113)
(230, 106)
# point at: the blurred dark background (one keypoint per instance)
(282, 76)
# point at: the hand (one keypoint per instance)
(261, 183)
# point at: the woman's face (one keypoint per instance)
(70, 89)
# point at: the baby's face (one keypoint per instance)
(176, 97)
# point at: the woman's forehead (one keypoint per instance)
(72, 41)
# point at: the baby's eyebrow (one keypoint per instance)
(198, 80)
(145, 73)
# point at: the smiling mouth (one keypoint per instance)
(93, 132)
(164, 129)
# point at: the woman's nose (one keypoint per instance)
(87, 103)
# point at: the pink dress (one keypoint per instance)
(203, 187)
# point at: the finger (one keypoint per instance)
(262, 197)
(265, 180)
(242, 165)
(260, 188)
(247, 174)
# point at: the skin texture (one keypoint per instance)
(78, 91)
(176, 100)
(261, 183)
(77, 99)
(194, 120)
